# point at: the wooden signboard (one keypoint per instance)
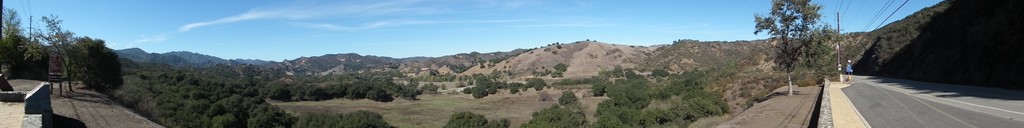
(56, 68)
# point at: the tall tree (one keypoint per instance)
(788, 23)
(17, 51)
(94, 64)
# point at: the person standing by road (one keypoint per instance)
(849, 70)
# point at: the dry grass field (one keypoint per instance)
(434, 110)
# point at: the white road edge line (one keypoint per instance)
(907, 91)
(993, 108)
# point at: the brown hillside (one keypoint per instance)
(585, 59)
(685, 55)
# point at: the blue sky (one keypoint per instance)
(277, 30)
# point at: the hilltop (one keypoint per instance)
(583, 58)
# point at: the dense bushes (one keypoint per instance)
(557, 117)
(183, 98)
(659, 73)
(429, 89)
(560, 69)
(567, 98)
(353, 86)
(94, 64)
(684, 93)
(473, 120)
(537, 83)
(357, 119)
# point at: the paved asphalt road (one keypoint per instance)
(897, 103)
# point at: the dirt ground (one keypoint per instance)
(86, 108)
(780, 111)
(434, 110)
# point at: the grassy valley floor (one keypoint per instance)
(434, 110)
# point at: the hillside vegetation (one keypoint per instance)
(955, 41)
(581, 59)
(692, 54)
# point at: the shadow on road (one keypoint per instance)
(60, 121)
(950, 90)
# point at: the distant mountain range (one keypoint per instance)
(584, 59)
(182, 58)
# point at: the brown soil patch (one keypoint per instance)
(779, 111)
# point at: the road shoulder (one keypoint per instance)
(844, 114)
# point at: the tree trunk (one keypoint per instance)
(790, 77)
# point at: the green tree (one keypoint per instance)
(429, 88)
(599, 88)
(659, 73)
(820, 52)
(479, 91)
(503, 123)
(537, 83)
(561, 67)
(514, 88)
(226, 121)
(789, 22)
(557, 117)
(364, 119)
(567, 98)
(466, 120)
(18, 52)
(94, 64)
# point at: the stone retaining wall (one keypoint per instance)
(825, 117)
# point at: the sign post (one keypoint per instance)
(56, 72)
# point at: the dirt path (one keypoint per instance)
(780, 111)
(86, 108)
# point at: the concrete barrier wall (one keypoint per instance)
(12, 96)
(38, 112)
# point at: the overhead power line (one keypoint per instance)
(890, 15)
(879, 13)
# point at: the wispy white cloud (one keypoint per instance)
(297, 11)
(149, 39)
(395, 23)
(566, 25)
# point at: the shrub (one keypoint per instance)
(479, 92)
(807, 81)
(473, 120)
(599, 89)
(537, 83)
(557, 117)
(429, 89)
(567, 98)
(358, 119)
(659, 73)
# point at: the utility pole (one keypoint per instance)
(839, 51)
